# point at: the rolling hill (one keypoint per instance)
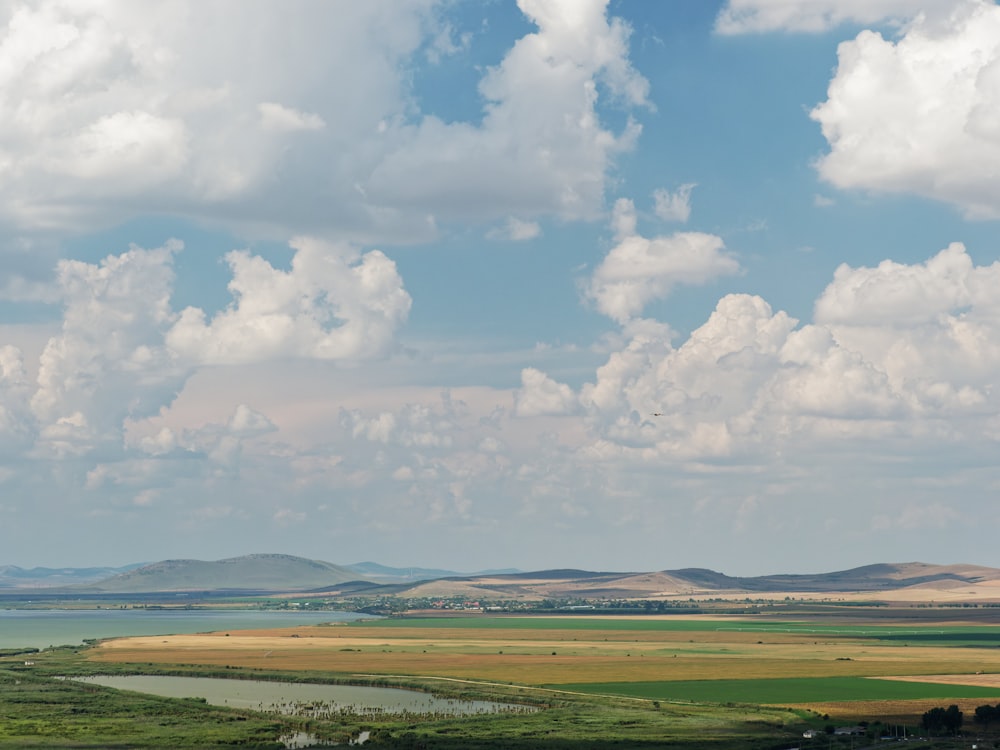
(276, 573)
(262, 572)
(14, 577)
(901, 582)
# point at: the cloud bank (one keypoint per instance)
(113, 111)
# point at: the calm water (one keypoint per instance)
(35, 628)
(297, 697)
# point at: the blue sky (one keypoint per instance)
(551, 283)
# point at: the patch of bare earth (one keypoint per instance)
(991, 680)
(888, 712)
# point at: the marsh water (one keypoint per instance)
(299, 698)
(42, 628)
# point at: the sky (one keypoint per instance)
(604, 284)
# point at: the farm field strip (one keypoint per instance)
(780, 691)
(705, 661)
(978, 680)
(555, 662)
(681, 623)
(855, 631)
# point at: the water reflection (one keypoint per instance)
(298, 740)
(301, 699)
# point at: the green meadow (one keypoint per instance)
(780, 691)
(943, 634)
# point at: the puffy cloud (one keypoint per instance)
(639, 270)
(223, 444)
(902, 295)
(539, 395)
(108, 362)
(160, 108)
(750, 16)
(112, 111)
(163, 442)
(334, 303)
(908, 352)
(415, 425)
(932, 328)
(920, 114)
(123, 353)
(246, 422)
(540, 140)
(674, 206)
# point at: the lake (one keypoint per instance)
(299, 698)
(42, 628)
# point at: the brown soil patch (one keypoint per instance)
(907, 712)
(991, 680)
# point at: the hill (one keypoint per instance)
(373, 571)
(262, 572)
(275, 573)
(900, 582)
(14, 577)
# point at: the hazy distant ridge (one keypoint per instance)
(12, 576)
(287, 573)
(375, 572)
(262, 572)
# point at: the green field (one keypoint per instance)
(737, 682)
(734, 624)
(786, 691)
(568, 622)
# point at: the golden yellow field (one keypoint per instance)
(539, 657)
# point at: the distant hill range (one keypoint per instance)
(887, 582)
(13, 577)
(247, 573)
(286, 573)
(384, 574)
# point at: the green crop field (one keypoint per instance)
(786, 691)
(943, 634)
(568, 622)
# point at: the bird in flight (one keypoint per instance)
(657, 414)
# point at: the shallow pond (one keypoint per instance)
(300, 698)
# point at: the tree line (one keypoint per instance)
(940, 720)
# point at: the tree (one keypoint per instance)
(937, 719)
(933, 720)
(953, 719)
(985, 714)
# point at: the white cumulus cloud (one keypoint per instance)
(920, 114)
(639, 270)
(907, 352)
(108, 362)
(541, 395)
(334, 303)
(113, 110)
(540, 141)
